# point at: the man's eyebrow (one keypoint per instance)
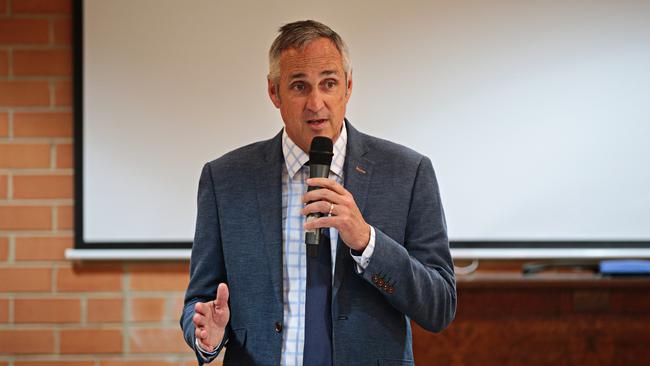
(298, 75)
(329, 73)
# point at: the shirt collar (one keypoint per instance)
(295, 158)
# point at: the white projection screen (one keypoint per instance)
(535, 114)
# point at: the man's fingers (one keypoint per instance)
(222, 296)
(199, 320)
(327, 183)
(322, 222)
(200, 333)
(201, 308)
(323, 195)
(320, 206)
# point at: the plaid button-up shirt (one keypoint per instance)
(294, 175)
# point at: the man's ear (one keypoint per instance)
(273, 93)
(348, 88)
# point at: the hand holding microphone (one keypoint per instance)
(331, 205)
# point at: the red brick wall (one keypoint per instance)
(53, 311)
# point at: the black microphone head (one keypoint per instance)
(321, 151)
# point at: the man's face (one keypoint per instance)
(312, 93)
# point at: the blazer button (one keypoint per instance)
(381, 282)
(375, 278)
(278, 327)
(390, 290)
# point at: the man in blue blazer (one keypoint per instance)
(386, 233)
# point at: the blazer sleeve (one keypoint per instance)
(207, 267)
(417, 276)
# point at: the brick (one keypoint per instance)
(42, 248)
(63, 93)
(56, 62)
(162, 340)
(91, 341)
(24, 31)
(105, 310)
(25, 218)
(24, 93)
(159, 277)
(26, 341)
(56, 363)
(4, 181)
(42, 186)
(64, 156)
(176, 308)
(4, 310)
(147, 309)
(4, 249)
(4, 63)
(50, 310)
(65, 218)
(25, 279)
(62, 31)
(49, 124)
(4, 125)
(90, 278)
(24, 156)
(41, 6)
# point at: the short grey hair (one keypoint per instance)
(298, 35)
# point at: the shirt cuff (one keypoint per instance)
(364, 259)
(209, 356)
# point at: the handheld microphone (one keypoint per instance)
(320, 159)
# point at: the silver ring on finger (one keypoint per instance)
(331, 212)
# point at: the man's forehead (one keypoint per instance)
(319, 57)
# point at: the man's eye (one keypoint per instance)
(330, 84)
(298, 87)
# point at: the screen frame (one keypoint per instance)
(78, 66)
(463, 249)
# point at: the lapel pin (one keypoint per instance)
(360, 170)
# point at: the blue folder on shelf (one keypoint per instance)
(628, 267)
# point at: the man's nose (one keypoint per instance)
(315, 101)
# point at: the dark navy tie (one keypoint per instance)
(318, 303)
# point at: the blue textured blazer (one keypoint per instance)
(238, 240)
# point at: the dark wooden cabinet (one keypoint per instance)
(504, 318)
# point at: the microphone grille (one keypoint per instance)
(321, 150)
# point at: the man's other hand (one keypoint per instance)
(210, 319)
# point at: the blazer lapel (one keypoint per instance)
(357, 175)
(269, 199)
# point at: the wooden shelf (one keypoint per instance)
(551, 279)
